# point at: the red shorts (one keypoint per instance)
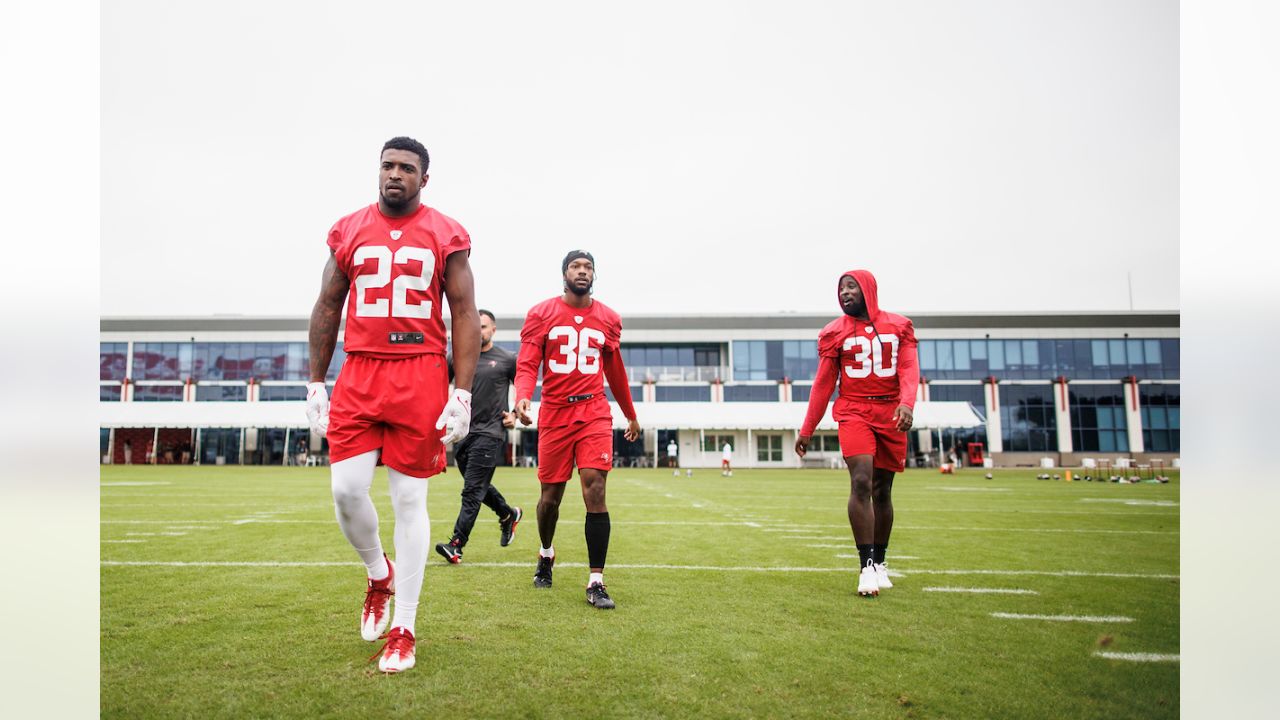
(390, 405)
(870, 430)
(587, 444)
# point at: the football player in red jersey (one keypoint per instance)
(872, 355)
(390, 263)
(574, 339)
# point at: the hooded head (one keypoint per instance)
(870, 302)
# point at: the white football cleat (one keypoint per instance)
(376, 612)
(868, 586)
(398, 653)
(882, 576)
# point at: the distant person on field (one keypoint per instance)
(726, 460)
(480, 454)
(871, 354)
(673, 461)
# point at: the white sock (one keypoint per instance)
(547, 551)
(412, 538)
(595, 578)
(357, 517)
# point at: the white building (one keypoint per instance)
(1060, 385)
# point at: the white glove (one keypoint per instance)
(318, 408)
(456, 418)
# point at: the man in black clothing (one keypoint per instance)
(482, 450)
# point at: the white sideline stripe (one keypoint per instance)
(969, 489)
(1126, 501)
(155, 534)
(891, 557)
(845, 546)
(124, 541)
(190, 527)
(1065, 618)
(996, 591)
(132, 484)
(1138, 657)
(1040, 530)
(713, 568)
(1048, 573)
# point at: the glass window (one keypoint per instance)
(282, 393)
(978, 349)
(225, 393)
(1028, 423)
(1013, 353)
(716, 443)
(112, 361)
(1151, 351)
(637, 393)
(768, 448)
(109, 393)
(1030, 353)
(1115, 348)
(962, 354)
(157, 393)
(800, 393)
(928, 355)
(1134, 348)
(996, 348)
(1160, 416)
(1097, 418)
(946, 361)
(682, 393)
(750, 393)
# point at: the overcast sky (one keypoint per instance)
(717, 157)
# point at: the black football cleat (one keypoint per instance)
(450, 551)
(509, 526)
(598, 598)
(542, 578)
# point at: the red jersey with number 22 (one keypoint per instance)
(572, 340)
(876, 358)
(396, 267)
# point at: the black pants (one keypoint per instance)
(477, 456)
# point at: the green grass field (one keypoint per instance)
(736, 598)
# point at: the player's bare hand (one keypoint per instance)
(632, 433)
(903, 417)
(522, 411)
(508, 420)
(802, 445)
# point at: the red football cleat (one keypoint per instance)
(377, 605)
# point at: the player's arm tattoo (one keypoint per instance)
(459, 287)
(326, 317)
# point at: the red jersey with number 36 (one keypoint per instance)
(572, 340)
(396, 267)
(876, 358)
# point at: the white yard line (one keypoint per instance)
(1046, 573)
(158, 534)
(889, 558)
(1156, 503)
(124, 541)
(1065, 618)
(131, 484)
(993, 591)
(1138, 657)
(620, 566)
(969, 489)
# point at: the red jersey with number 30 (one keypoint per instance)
(396, 267)
(571, 341)
(876, 358)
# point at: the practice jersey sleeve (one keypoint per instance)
(829, 341)
(532, 336)
(616, 373)
(908, 366)
(824, 384)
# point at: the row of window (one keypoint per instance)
(752, 359)
(1153, 359)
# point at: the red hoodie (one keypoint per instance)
(872, 361)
